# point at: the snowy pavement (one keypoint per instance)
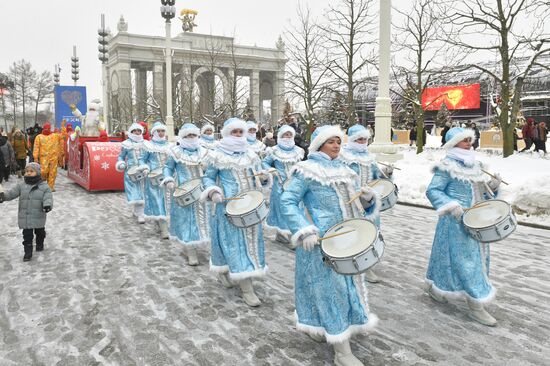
(107, 292)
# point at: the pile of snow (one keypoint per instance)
(528, 176)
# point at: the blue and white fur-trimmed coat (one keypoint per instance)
(459, 264)
(364, 164)
(153, 156)
(190, 224)
(283, 160)
(327, 303)
(234, 250)
(129, 155)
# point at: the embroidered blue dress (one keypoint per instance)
(129, 154)
(283, 160)
(459, 264)
(189, 225)
(327, 303)
(234, 250)
(153, 156)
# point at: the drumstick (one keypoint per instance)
(394, 167)
(492, 176)
(482, 204)
(335, 234)
(356, 196)
(233, 198)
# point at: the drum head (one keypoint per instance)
(490, 213)
(350, 244)
(383, 186)
(155, 173)
(250, 200)
(191, 185)
(133, 170)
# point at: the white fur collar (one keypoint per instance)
(187, 159)
(349, 157)
(153, 147)
(257, 146)
(324, 174)
(461, 172)
(284, 156)
(129, 144)
(221, 160)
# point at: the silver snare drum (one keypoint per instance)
(248, 211)
(156, 176)
(490, 221)
(135, 174)
(188, 193)
(356, 251)
(388, 192)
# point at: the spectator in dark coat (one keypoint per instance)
(528, 132)
(542, 137)
(444, 132)
(412, 136)
(473, 126)
(7, 158)
(35, 201)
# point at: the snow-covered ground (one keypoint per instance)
(528, 175)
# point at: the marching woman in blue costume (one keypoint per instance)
(237, 253)
(188, 224)
(459, 264)
(128, 158)
(282, 157)
(207, 140)
(329, 306)
(151, 161)
(256, 145)
(355, 154)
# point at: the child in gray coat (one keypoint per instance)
(35, 200)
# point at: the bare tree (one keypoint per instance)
(514, 31)
(42, 89)
(418, 38)
(23, 77)
(348, 35)
(307, 69)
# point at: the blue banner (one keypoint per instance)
(64, 97)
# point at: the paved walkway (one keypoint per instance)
(107, 292)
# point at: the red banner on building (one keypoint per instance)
(455, 97)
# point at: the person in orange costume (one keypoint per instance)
(46, 151)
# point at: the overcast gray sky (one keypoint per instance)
(43, 32)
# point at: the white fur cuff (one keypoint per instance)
(119, 166)
(166, 180)
(447, 208)
(205, 195)
(298, 236)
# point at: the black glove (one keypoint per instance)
(47, 208)
(1, 197)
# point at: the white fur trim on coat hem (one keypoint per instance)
(205, 195)
(136, 202)
(196, 243)
(298, 236)
(155, 218)
(244, 275)
(341, 337)
(218, 269)
(457, 295)
(447, 208)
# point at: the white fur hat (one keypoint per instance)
(207, 126)
(457, 134)
(322, 134)
(231, 124)
(284, 129)
(251, 124)
(94, 106)
(135, 126)
(158, 126)
(188, 129)
(357, 131)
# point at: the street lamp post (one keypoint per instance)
(382, 112)
(168, 11)
(56, 74)
(74, 65)
(103, 39)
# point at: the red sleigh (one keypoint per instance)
(92, 163)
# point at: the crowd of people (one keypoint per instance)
(213, 186)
